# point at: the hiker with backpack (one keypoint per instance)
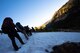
(21, 29)
(28, 30)
(33, 30)
(8, 27)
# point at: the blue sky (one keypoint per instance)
(29, 12)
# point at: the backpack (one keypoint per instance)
(19, 26)
(4, 30)
(5, 26)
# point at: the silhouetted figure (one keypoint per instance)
(8, 27)
(28, 31)
(33, 30)
(21, 29)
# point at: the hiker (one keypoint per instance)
(8, 27)
(33, 30)
(21, 29)
(28, 30)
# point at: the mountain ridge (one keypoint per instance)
(67, 17)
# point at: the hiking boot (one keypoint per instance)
(16, 49)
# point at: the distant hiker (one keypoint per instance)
(33, 30)
(28, 30)
(21, 29)
(8, 27)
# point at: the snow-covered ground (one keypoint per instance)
(38, 42)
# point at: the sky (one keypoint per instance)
(29, 12)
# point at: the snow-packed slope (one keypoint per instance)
(38, 42)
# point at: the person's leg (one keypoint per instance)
(19, 38)
(24, 32)
(30, 32)
(13, 42)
